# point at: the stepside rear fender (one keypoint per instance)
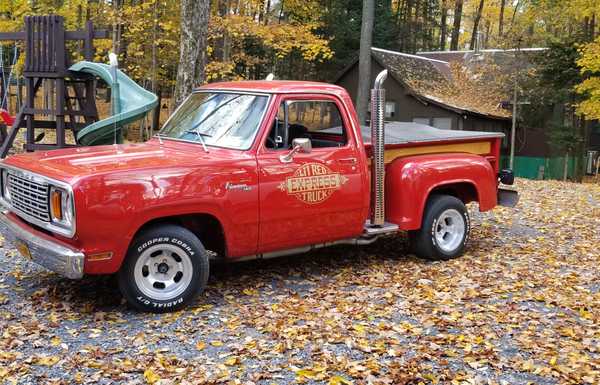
(411, 180)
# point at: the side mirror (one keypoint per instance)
(303, 145)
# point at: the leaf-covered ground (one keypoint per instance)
(522, 306)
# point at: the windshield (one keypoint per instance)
(217, 119)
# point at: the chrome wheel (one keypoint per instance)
(450, 230)
(163, 272)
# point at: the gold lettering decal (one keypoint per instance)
(313, 183)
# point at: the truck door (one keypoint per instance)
(316, 196)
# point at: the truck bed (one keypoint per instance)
(405, 139)
(403, 133)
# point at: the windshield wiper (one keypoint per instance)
(196, 128)
(201, 136)
(159, 136)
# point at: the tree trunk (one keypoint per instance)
(364, 62)
(476, 25)
(456, 27)
(154, 47)
(280, 18)
(406, 31)
(501, 18)
(416, 27)
(512, 20)
(267, 11)
(116, 28)
(488, 32)
(192, 56)
(443, 25)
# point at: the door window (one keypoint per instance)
(319, 121)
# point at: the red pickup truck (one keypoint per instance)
(246, 170)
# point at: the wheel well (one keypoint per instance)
(465, 191)
(205, 226)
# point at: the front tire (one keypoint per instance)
(445, 229)
(166, 268)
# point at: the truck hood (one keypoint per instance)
(68, 165)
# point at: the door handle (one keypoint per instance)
(347, 161)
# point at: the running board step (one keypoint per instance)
(386, 228)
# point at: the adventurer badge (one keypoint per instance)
(313, 183)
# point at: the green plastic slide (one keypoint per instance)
(133, 104)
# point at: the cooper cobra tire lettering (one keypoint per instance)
(152, 242)
(183, 245)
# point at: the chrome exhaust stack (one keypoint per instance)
(378, 146)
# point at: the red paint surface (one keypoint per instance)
(410, 180)
(120, 188)
(6, 117)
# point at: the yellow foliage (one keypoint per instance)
(590, 87)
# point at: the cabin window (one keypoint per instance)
(425, 121)
(319, 121)
(390, 109)
(442, 123)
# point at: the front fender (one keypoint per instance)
(410, 181)
(112, 208)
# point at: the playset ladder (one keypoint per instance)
(46, 60)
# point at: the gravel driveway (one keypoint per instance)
(522, 306)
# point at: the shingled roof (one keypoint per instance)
(497, 55)
(438, 82)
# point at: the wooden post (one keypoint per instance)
(30, 103)
(156, 113)
(566, 167)
(60, 112)
(88, 47)
(19, 93)
(60, 83)
(3, 90)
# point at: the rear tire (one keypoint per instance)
(445, 229)
(165, 269)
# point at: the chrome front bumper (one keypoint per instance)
(53, 256)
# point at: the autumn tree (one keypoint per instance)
(192, 52)
(364, 63)
(589, 88)
(501, 18)
(458, 8)
(444, 25)
(474, 35)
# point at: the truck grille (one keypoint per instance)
(29, 197)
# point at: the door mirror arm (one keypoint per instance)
(299, 145)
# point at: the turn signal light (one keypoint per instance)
(100, 257)
(56, 205)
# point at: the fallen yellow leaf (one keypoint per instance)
(151, 377)
(338, 380)
(47, 360)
